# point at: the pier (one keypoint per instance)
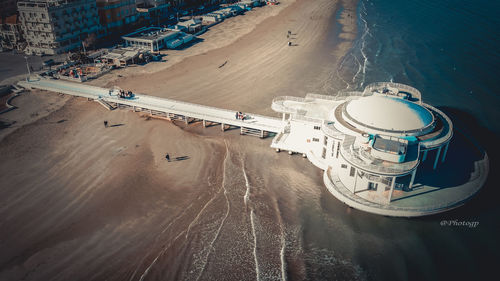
(254, 125)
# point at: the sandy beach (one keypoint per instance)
(84, 202)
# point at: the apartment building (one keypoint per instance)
(116, 15)
(56, 26)
(153, 12)
(11, 34)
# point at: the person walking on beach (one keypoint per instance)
(167, 157)
(105, 123)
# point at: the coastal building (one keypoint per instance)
(153, 11)
(211, 18)
(11, 34)
(56, 26)
(116, 15)
(124, 56)
(155, 38)
(191, 26)
(370, 145)
(382, 150)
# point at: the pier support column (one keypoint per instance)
(425, 155)
(222, 127)
(262, 134)
(241, 130)
(444, 152)
(204, 123)
(393, 183)
(437, 158)
(186, 119)
(412, 178)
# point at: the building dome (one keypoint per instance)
(388, 113)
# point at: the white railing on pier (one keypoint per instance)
(167, 106)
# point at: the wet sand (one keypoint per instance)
(84, 202)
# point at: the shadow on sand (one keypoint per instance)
(117, 125)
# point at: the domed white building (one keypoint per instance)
(370, 145)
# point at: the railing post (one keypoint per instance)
(222, 126)
(204, 123)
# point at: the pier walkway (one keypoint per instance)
(255, 125)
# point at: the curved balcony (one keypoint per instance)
(278, 104)
(438, 137)
(361, 158)
(374, 87)
(329, 129)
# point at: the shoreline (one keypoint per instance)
(119, 210)
(244, 84)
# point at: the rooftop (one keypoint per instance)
(151, 33)
(389, 113)
(10, 20)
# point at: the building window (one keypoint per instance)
(343, 166)
(317, 127)
(372, 186)
(316, 139)
(326, 140)
(323, 155)
(338, 149)
(352, 172)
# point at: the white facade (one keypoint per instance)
(371, 143)
(155, 38)
(56, 26)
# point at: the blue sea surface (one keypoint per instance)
(449, 50)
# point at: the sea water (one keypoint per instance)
(449, 50)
